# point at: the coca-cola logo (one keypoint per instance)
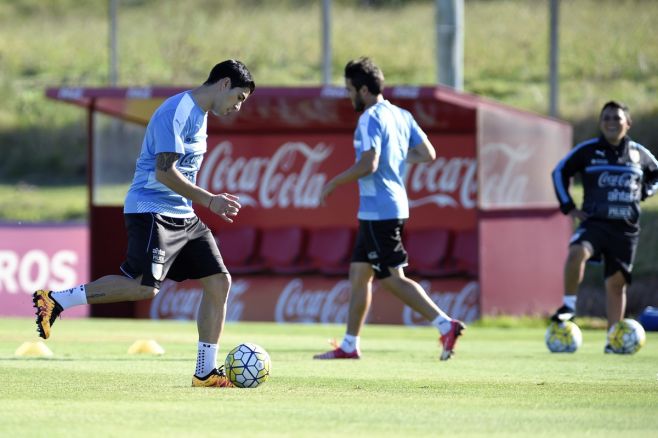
(287, 178)
(504, 174)
(620, 180)
(451, 182)
(295, 304)
(463, 305)
(175, 302)
(290, 177)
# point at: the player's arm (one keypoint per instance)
(421, 153)
(224, 205)
(167, 174)
(366, 165)
(650, 178)
(561, 176)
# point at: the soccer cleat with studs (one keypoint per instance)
(338, 353)
(449, 340)
(47, 310)
(215, 379)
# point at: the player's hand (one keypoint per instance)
(326, 191)
(578, 214)
(225, 206)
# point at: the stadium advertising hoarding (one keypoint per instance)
(310, 299)
(490, 182)
(279, 179)
(41, 257)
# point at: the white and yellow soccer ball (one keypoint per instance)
(248, 365)
(563, 337)
(626, 336)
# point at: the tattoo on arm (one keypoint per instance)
(166, 160)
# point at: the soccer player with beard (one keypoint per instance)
(386, 138)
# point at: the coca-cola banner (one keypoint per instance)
(279, 178)
(517, 152)
(311, 299)
(41, 257)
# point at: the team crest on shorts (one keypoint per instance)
(157, 265)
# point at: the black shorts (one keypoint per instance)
(613, 244)
(162, 247)
(380, 244)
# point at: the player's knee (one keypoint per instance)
(360, 274)
(616, 282)
(396, 283)
(577, 254)
(224, 281)
(148, 292)
(219, 283)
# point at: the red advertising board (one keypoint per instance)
(41, 257)
(310, 299)
(489, 188)
(279, 178)
(517, 152)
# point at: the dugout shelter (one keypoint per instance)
(485, 235)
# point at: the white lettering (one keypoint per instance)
(8, 266)
(138, 93)
(62, 268)
(36, 270)
(450, 182)
(173, 302)
(623, 180)
(290, 177)
(326, 306)
(33, 271)
(505, 182)
(268, 182)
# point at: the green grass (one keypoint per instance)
(30, 203)
(503, 382)
(607, 51)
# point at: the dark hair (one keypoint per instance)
(617, 105)
(362, 72)
(233, 69)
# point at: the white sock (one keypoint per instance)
(350, 343)
(570, 301)
(70, 297)
(442, 323)
(205, 359)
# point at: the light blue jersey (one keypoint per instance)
(391, 131)
(179, 125)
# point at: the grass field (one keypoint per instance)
(607, 51)
(503, 382)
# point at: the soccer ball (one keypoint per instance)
(248, 365)
(626, 336)
(563, 337)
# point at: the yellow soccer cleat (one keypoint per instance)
(47, 311)
(215, 379)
